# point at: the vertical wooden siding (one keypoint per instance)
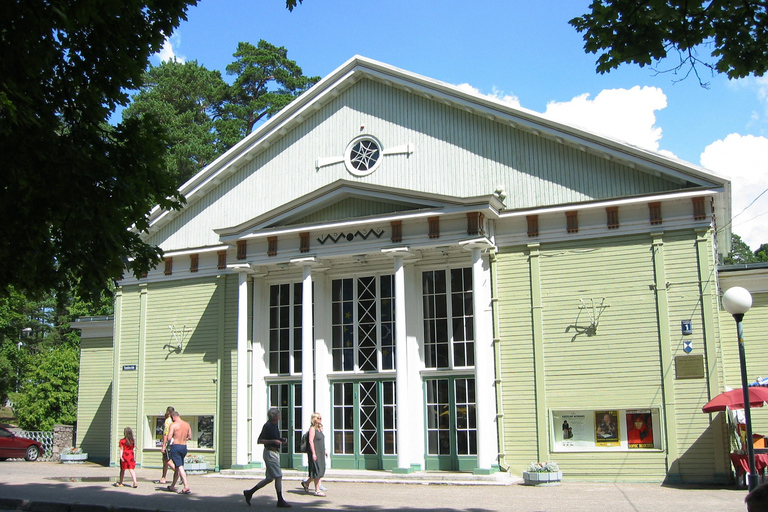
(516, 357)
(619, 367)
(227, 423)
(186, 380)
(348, 208)
(755, 326)
(126, 382)
(454, 150)
(94, 398)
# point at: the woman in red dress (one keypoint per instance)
(127, 459)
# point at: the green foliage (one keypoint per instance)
(73, 185)
(734, 34)
(761, 254)
(741, 253)
(13, 361)
(30, 327)
(266, 82)
(202, 115)
(187, 99)
(543, 467)
(290, 4)
(48, 394)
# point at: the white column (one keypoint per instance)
(401, 365)
(307, 342)
(415, 332)
(323, 361)
(485, 374)
(404, 422)
(307, 349)
(259, 367)
(241, 428)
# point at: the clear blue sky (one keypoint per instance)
(522, 50)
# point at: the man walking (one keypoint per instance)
(270, 438)
(167, 463)
(180, 432)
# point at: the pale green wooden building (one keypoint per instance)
(487, 287)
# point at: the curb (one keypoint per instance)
(50, 506)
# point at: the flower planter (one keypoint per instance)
(195, 467)
(542, 477)
(73, 458)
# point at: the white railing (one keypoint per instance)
(44, 438)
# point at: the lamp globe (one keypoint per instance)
(737, 300)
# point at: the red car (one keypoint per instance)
(17, 447)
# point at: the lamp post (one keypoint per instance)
(737, 301)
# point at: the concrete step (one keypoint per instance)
(370, 476)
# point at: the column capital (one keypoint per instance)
(403, 251)
(241, 267)
(309, 261)
(247, 269)
(481, 243)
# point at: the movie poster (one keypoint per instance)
(205, 431)
(573, 430)
(639, 429)
(607, 428)
(159, 427)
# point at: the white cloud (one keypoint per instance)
(497, 95)
(742, 158)
(759, 86)
(623, 114)
(168, 51)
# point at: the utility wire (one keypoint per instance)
(745, 209)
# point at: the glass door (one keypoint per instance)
(451, 424)
(364, 425)
(287, 398)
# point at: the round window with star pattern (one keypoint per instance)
(363, 155)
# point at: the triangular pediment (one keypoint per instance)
(439, 144)
(345, 201)
(353, 206)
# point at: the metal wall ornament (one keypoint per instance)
(594, 310)
(364, 234)
(178, 336)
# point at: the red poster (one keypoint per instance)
(639, 429)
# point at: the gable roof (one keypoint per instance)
(388, 204)
(358, 68)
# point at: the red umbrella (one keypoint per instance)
(734, 399)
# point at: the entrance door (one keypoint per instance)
(451, 424)
(364, 433)
(287, 398)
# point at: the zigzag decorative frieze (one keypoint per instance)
(364, 234)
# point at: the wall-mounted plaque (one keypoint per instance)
(689, 367)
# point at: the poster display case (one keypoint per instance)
(605, 429)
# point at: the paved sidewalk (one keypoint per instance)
(55, 487)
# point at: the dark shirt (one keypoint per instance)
(268, 432)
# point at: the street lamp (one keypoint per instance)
(737, 301)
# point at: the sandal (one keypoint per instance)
(188, 491)
(135, 486)
(305, 485)
(320, 493)
(117, 484)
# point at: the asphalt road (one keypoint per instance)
(56, 487)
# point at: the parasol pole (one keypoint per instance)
(737, 301)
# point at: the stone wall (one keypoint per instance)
(63, 437)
